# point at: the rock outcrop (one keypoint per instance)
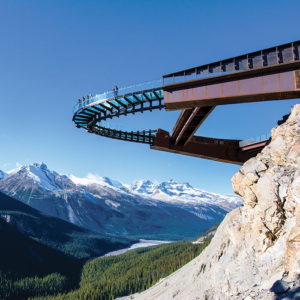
(255, 253)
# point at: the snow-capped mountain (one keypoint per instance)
(167, 210)
(142, 187)
(175, 192)
(37, 174)
(203, 204)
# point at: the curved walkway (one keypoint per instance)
(142, 97)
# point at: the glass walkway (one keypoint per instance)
(146, 96)
(92, 113)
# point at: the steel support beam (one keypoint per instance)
(221, 150)
(188, 123)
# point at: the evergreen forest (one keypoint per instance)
(105, 278)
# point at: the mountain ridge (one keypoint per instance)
(56, 233)
(167, 210)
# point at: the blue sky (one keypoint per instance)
(53, 52)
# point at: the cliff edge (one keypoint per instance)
(255, 253)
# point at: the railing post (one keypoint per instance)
(248, 64)
(293, 51)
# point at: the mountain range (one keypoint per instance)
(55, 232)
(169, 210)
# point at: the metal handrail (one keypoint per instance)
(146, 85)
(254, 140)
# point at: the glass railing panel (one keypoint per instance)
(228, 66)
(215, 69)
(202, 72)
(270, 57)
(255, 60)
(179, 77)
(285, 54)
(241, 63)
(253, 140)
(168, 80)
(190, 74)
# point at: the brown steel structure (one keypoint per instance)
(277, 82)
(222, 150)
(270, 74)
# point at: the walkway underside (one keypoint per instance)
(145, 137)
(222, 150)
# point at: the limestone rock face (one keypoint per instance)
(257, 244)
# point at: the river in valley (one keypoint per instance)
(140, 244)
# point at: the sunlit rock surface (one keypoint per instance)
(256, 248)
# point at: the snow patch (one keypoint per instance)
(71, 215)
(95, 179)
(40, 174)
(112, 204)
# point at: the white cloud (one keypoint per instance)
(18, 165)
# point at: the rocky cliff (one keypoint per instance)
(256, 249)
